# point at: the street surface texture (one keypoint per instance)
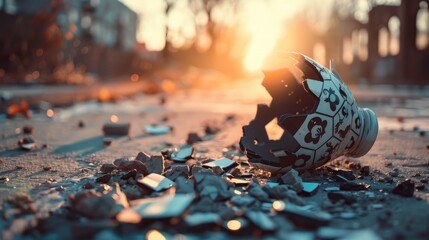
(50, 173)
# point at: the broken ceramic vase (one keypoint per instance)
(318, 115)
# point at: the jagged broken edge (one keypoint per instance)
(260, 153)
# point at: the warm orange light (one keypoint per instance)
(104, 95)
(278, 205)
(114, 118)
(68, 36)
(155, 235)
(233, 225)
(134, 77)
(50, 113)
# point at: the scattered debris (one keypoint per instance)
(107, 168)
(309, 188)
(121, 129)
(4, 179)
(352, 186)
(306, 218)
(292, 179)
(342, 173)
(132, 164)
(346, 197)
(183, 154)
(155, 129)
(193, 138)
(365, 170)
(405, 188)
(224, 163)
(107, 141)
(155, 164)
(81, 124)
(156, 182)
(28, 129)
(47, 168)
(104, 179)
(27, 143)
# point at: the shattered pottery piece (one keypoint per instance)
(183, 154)
(95, 205)
(405, 188)
(27, 143)
(224, 163)
(342, 173)
(162, 207)
(121, 129)
(155, 164)
(292, 179)
(198, 219)
(133, 164)
(103, 179)
(193, 138)
(352, 186)
(306, 218)
(28, 129)
(319, 117)
(107, 141)
(142, 157)
(365, 170)
(107, 168)
(238, 182)
(212, 186)
(261, 220)
(184, 185)
(177, 171)
(157, 129)
(309, 188)
(156, 182)
(341, 196)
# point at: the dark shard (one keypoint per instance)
(342, 173)
(282, 192)
(306, 218)
(193, 138)
(230, 117)
(309, 189)
(27, 143)
(243, 200)
(142, 157)
(256, 191)
(235, 172)
(239, 182)
(261, 220)
(107, 141)
(292, 179)
(184, 185)
(176, 171)
(183, 154)
(107, 168)
(202, 219)
(88, 185)
(211, 129)
(28, 129)
(352, 186)
(47, 168)
(346, 197)
(365, 170)
(422, 133)
(212, 186)
(81, 124)
(405, 188)
(166, 206)
(104, 179)
(155, 164)
(130, 174)
(224, 163)
(420, 187)
(155, 129)
(121, 129)
(217, 170)
(133, 164)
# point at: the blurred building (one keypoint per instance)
(95, 36)
(393, 47)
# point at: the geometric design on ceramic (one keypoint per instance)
(301, 159)
(326, 151)
(330, 99)
(315, 131)
(342, 121)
